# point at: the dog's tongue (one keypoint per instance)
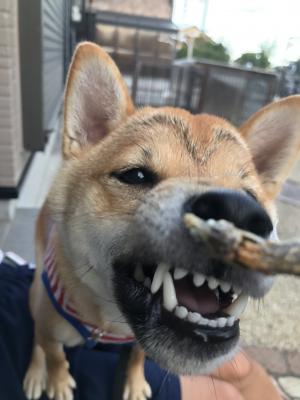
(201, 300)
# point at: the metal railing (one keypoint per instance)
(201, 86)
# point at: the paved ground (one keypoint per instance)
(271, 328)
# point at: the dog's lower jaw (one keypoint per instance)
(174, 360)
(184, 357)
(176, 345)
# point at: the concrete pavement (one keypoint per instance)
(271, 328)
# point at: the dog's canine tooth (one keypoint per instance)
(139, 274)
(198, 279)
(181, 312)
(238, 306)
(213, 283)
(237, 290)
(180, 273)
(158, 277)
(221, 322)
(230, 321)
(169, 293)
(147, 283)
(225, 287)
(194, 317)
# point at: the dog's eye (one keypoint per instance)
(137, 176)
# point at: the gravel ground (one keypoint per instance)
(275, 321)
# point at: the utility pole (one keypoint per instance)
(204, 15)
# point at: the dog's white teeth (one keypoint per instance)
(213, 283)
(180, 273)
(181, 312)
(203, 321)
(139, 274)
(238, 306)
(163, 278)
(147, 283)
(169, 293)
(158, 277)
(212, 323)
(194, 317)
(225, 287)
(222, 322)
(198, 279)
(211, 222)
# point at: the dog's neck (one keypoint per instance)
(79, 288)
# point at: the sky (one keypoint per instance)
(244, 25)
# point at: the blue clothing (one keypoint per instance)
(92, 369)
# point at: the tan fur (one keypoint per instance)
(135, 379)
(90, 53)
(275, 126)
(172, 142)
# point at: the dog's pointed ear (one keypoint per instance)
(273, 135)
(96, 99)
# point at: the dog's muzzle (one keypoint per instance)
(176, 297)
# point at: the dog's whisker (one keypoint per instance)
(88, 213)
(72, 287)
(164, 381)
(89, 269)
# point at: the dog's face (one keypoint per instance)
(119, 203)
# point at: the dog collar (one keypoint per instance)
(64, 305)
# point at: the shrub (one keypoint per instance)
(204, 49)
(260, 60)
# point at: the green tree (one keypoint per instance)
(204, 49)
(260, 60)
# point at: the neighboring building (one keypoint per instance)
(153, 8)
(12, 153)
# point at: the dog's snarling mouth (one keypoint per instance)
(211, 307)
(191, 308)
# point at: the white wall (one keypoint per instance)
(11, 146)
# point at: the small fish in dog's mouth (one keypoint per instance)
(196, 314)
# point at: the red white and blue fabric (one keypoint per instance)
(66, 308)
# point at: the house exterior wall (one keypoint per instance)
(11, 142)
(153, 8)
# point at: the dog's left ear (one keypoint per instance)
(273, 135)
(96, 99)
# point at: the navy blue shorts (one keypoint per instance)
(93, 369)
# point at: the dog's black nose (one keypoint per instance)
(239, 208)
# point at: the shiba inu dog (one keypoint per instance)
(116, 261)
